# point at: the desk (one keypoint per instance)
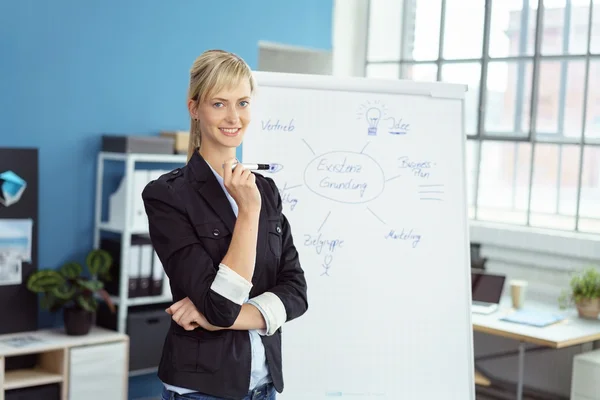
(570, 332)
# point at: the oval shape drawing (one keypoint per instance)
(345, 177)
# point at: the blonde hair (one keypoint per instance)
(213, 71)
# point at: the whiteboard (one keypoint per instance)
(374, 186)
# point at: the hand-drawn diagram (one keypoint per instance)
(376, 112)
(355, 178)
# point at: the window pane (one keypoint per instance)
(463, 29)
(554, 188)
(388, 71)
(595, 41)
(589, 202)
(592, 125)
(548, 97)
(565, 27)
(504, 181)
(469, 74)
(508, 97)
(512, 30)
(420, 72)
(384, 30)
(560, 99)
(422, 30)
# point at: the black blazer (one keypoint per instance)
(191, 224)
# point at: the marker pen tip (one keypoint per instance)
(275, 168)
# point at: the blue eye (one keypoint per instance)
(218, 105)
(244, 103)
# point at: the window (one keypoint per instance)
(533, 149)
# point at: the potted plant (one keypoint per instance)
(585, 293)
(69, 289)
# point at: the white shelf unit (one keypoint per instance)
(125, 230)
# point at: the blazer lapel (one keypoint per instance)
(211, 190)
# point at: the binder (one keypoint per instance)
(133, 269)
(157, 276)
(146, 256)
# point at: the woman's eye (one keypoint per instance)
(244, 103)
(218, 105)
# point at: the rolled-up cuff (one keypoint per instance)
(231, 285)
(273, 311)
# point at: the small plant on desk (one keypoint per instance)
(69, 289)
(585, 293)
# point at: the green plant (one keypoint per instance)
(69, 287)
(584, 285)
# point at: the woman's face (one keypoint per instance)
(225, 116)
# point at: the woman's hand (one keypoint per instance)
(241, 185)
(186, 315)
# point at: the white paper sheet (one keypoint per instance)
(10, 270)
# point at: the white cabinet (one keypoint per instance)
(585, 381)
(89, 367)
(98, 372)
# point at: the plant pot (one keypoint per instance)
(589, 308)
(77, 321)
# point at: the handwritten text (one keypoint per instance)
(278, 126)
(420, 168)
(398, 127)
(319, 242)
(345, 177)
(338, 167)
(405, 234)
(287, 197)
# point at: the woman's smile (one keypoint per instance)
(231, 132)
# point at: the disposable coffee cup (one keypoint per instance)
(517, 292)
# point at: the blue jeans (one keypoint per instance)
(264, 392)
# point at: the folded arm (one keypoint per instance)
(218, 293)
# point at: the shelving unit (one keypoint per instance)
(69, 361)
(124, 229)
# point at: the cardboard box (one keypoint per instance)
(181, 139)
(137, 144)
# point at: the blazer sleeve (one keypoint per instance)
(288, 299)
(217, 293)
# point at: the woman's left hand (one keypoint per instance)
(186, 315)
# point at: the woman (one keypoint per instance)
(227, 249)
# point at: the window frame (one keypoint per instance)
(533, 136)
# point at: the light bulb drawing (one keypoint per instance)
(373, 113)
(373, 116)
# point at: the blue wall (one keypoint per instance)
(72, 70)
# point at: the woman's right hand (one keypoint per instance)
(241, 185)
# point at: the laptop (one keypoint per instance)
(486, 291)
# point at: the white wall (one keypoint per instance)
(276, 57)
(542, 257)
(349, 37)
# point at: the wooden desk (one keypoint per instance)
(569, 332)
